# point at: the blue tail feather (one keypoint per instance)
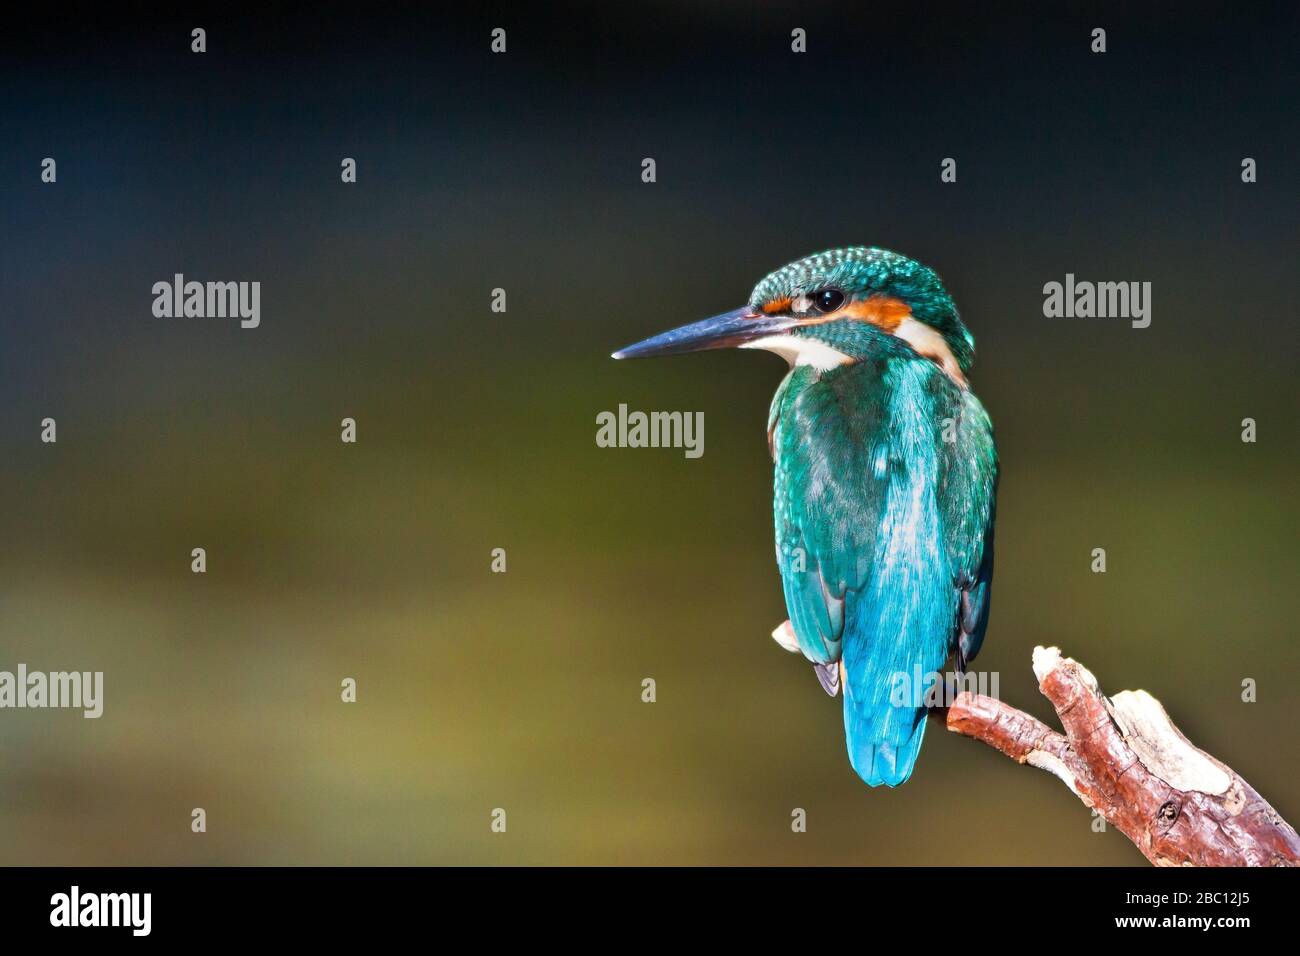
(901, 633)
(883, 747)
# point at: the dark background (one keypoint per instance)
(476, 430)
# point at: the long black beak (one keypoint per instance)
(727, 330)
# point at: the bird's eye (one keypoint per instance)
(828, 300)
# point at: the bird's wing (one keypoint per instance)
(828, 500)
(967, 500)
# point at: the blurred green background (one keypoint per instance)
(477, 430)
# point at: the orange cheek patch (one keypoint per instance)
(880, 310)
(776, 305)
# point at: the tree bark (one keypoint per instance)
(1124, 757)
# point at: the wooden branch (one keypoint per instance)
(1124, 757)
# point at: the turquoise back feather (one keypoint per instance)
(881, 530)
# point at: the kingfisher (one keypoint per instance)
(885, 483)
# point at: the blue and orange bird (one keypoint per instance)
(886, 476)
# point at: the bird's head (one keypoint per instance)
(815, 311)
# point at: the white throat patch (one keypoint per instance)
(803, 350)
(800, 350)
